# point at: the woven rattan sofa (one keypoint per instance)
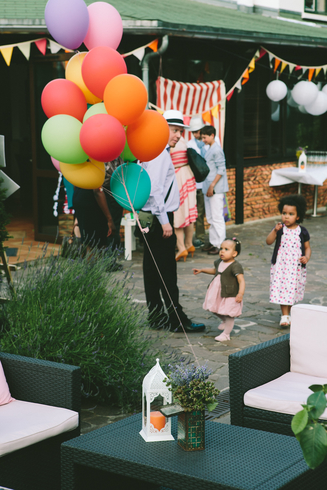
(301, 354)
(37, 467)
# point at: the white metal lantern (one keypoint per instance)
(276, 90)
(155, 426)
(304, 92)
(318, 106)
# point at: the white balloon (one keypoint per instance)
(276, 90)
(304, 93)
(319, 106)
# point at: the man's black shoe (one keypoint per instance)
(189, 327)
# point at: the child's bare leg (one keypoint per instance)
(229, 324)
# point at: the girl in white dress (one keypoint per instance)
(291, 254)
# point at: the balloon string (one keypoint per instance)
(143, 231)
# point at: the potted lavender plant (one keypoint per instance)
(191, 388)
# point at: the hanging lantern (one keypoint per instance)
(155, 426)
(276, 90)
(324, 89)
(304, 92)
(319, 106)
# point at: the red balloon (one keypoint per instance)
(62, 96)
(100, 65)
(102, 137)
(148, 136)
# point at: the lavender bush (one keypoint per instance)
(191, 388)
(80, 312)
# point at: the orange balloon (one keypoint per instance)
(148, 136)
(87, 175)
(125, 97)
(74, 74)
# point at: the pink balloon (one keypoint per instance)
(105, 26)
(56, 163)
(102, 137)
(67, 21)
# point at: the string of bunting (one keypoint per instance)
(275, 63)
(42, 44)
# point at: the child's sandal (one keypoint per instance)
(285, 321)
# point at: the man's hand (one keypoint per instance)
(167, 230)
(210, 191)
(111, 228)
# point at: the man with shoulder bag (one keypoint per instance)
(163, 201)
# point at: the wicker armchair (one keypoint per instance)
(37, 467)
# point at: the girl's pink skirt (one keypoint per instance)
(216, 304)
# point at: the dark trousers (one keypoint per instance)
(163, 251)
(199, 225)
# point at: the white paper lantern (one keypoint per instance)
(324, 89)
(276, 90)
(155, 427)
(304, 93)
(319, 106)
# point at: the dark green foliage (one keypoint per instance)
(310, 433)
(80, 312)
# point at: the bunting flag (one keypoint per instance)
(251, 66)
(282, 68)
(205, 99)
(42, 45)
(245, 77)
(7, 54)
(312, 70)
(277, 63)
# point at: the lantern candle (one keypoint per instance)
(158, 420)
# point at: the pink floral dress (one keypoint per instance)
(287, 276)
(215, 303)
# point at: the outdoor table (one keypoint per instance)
(314, 175)
(117, 457)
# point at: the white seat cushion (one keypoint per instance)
(24, 423)
(285, 394)
(308, 340)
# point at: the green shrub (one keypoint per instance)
(78, 311)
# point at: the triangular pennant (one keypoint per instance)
(238, 84)
(25, 48)
(262, 52)
(154, 45)
(41, 45)
(325, 69)
(257, 54)
(282, 68)
(214, 112)
(139, 53)
(54, 47)
(251, 65)
(206, 116)
(318, 70)
(291, 67)
(271, 57)
(298, 67)
(310, 75)
(277, 63)
(160, 111)
(7, 54)
(186, 120)
(245, 76)
(229, 95)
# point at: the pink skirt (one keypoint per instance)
(222, 306)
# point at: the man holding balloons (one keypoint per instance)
(159, 264)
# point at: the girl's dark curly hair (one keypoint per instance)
(296, 200)
(237, 244)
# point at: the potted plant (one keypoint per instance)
(309, 431)
(193, 391)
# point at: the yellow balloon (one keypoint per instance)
(74, 74)
(87, 175)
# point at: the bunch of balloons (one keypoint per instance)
(98, 111)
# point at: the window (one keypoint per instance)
(315, 6)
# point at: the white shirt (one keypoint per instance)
(162, 173)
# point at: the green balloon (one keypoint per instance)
(127, 155)
(60, 138)
(95, 109)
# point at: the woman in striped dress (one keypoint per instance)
(185, 216)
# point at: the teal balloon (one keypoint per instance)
(137, 182)
(127, 155)
(95, 109)
(60, 138)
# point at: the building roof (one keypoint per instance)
(189, 18)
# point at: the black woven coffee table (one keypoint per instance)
(116, 457)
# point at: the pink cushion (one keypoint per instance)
(5, 396)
